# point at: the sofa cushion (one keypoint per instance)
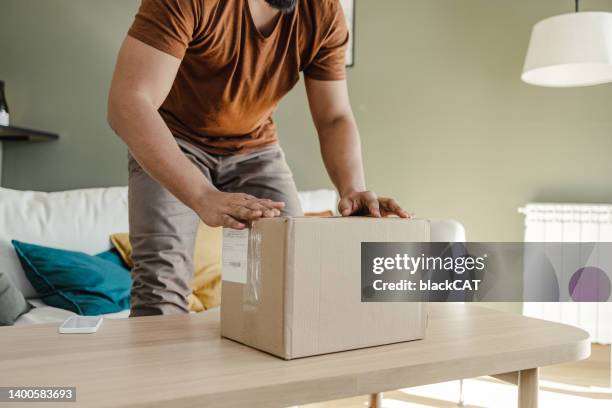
(78, 220)
(75, 281)
(319, 201)
(12, 302)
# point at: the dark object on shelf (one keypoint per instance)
(4, 110)
(18, 134)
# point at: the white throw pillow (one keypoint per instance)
(78, 220)
(317, 201)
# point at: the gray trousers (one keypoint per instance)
(163, 229)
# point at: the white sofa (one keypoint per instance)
(83, 220)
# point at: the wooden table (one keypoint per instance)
(181, 361)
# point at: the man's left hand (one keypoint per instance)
(367, 203)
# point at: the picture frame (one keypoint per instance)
(349, 13)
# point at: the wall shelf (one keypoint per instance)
(19, 134)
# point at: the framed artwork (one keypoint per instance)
(349, 13)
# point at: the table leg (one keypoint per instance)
(376, 400)
(528, 388)
(461, 401)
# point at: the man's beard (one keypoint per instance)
(286, 6)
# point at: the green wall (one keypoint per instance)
(447, 126)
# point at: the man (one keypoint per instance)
(192, 96)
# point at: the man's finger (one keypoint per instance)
(271, 213)
(258, 207)
(272, 204)
(239, 211)
(265, 206)
(230, 222)
(373, 207)
(276, 212)
(245, 213)
(345, 207)
(393, 207)
(254, 205)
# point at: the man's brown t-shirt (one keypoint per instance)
(231, 76)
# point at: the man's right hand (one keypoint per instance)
(235, 210)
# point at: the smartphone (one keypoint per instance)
(81, 324)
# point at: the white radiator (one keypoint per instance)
(571, 223)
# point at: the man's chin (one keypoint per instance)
(285, 6)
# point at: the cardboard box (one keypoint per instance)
(292, 286)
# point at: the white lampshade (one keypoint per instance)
(570, 50)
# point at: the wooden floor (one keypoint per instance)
(588, 379)
(592, 372)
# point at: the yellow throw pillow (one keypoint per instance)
(206, 283)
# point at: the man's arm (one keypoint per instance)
(141, 82)
(341, 150)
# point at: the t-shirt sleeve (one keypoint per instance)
(168, 25)
(329, 62)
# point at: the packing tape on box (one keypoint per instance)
(252, 288)
(241, 262)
